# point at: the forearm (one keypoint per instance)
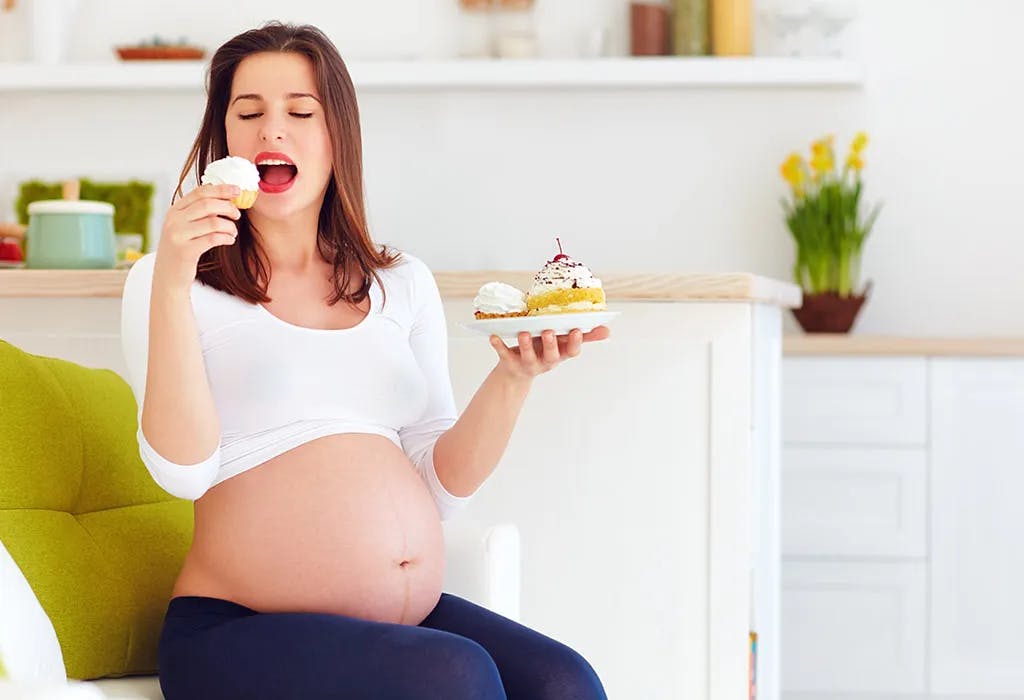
(179, 419)
(467, 453)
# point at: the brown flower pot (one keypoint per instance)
(828, 312)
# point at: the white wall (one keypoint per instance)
(682, 180)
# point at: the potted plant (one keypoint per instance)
(824, 215)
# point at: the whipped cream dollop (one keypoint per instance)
(499, 298)
(233, 170)
(564, 273)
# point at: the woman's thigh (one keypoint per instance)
(217, 649)
(532, 666)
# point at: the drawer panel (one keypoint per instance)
(874, 401)
(853, 628)
(857, 502)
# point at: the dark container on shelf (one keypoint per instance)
(648, 29)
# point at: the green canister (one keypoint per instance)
(66, 234)
(691, 28)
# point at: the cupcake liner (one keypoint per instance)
(246, 199)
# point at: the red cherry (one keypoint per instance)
(561, 255)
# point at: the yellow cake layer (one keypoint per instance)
(564, 297)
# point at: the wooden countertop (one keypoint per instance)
(860, 345)
(618, 286)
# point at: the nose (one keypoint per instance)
(272, 130)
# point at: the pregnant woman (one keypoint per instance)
(293, 381)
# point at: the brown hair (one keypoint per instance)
(343, 238)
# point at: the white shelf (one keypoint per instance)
(495, 74)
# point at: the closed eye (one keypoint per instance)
(300, 115)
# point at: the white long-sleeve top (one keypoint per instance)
(277, 385)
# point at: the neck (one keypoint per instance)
(290, 244)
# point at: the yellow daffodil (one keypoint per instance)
(825, 215)
(860, 141)
(823, 145)
(822, 157)
(794, 171)
(822, 163)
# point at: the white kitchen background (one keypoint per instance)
(678, 179)
(902, 566)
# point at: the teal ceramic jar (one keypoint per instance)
(70, 234)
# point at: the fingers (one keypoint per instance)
(225, 192)
(549, 348)
(211, 240)
(536, 355)
(211, 206)
(499, 347)
(204, 227)
(573, 343)
(526, 352)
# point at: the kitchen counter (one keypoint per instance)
(684, 394)
(835, 345)
(618, 286)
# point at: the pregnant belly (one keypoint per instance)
(341, 524)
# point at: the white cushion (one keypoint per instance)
(135, 687)
(28, 644)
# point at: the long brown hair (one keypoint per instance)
(343, 238)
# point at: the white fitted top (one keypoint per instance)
(277, 385)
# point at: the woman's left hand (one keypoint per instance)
(535, 356)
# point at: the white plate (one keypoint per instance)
(509, 328)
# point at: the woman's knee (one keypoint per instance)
(454, 668)
(564, 674)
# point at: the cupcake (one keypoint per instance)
(499, 300)
(234, 170)
(565, 286)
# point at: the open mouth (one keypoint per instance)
(277, 172)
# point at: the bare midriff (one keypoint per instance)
(341, 524)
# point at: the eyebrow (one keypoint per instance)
(290, 96)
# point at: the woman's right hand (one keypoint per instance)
(200, 220)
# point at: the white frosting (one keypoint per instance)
(564, 274)
(232, 170)
(499, 298)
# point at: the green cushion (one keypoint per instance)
(99, 542)
(3, 671)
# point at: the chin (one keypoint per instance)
(279, 207)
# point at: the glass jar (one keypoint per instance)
(515, 32)
(474, 35)
(732, 31)
(690, 28)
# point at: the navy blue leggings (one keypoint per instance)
(213, 649)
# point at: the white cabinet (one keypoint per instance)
(854, 501)
(855, 628)
(903, 560)
(977, 564)
(834, 401)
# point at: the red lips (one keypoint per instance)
(278, 182)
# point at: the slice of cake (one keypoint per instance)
(565, 286)
(499, 300)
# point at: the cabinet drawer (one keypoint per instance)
(854, 501)
(879, 401)
(853, 628)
